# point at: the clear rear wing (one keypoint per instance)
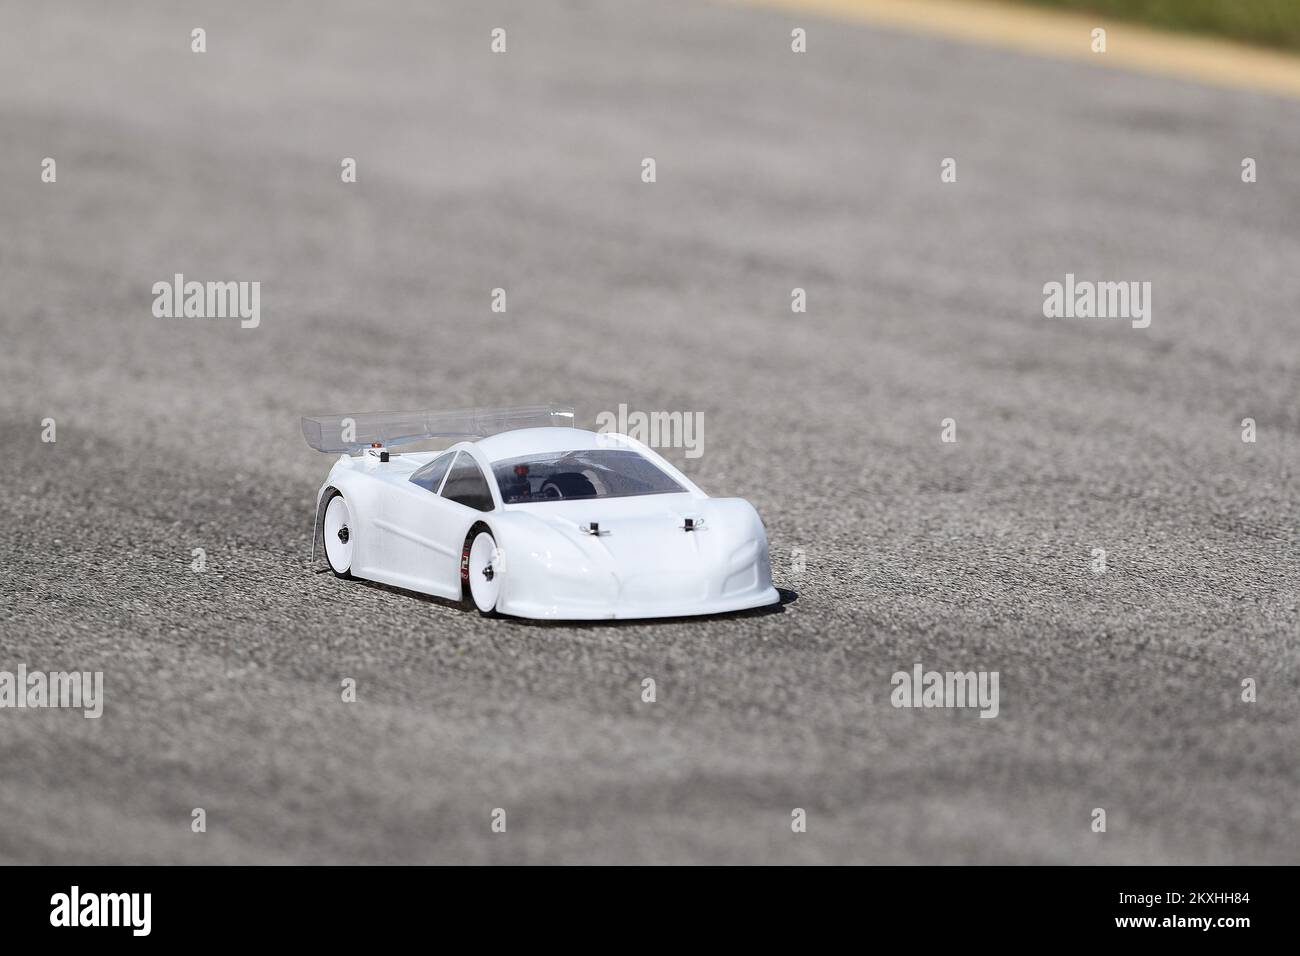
(351, 433)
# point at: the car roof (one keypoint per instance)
(539, 441)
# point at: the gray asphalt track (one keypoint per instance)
(821, 171)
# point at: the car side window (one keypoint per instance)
(429, 477)
(467, 485)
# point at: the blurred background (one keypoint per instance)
(1273, 23)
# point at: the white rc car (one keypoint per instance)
(529, 516)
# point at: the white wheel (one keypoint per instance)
(484, 572)
(339, 536)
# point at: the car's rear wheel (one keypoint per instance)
(340, 536)
(483, 571)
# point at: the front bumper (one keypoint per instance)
(632, 608)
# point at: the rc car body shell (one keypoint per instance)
(652, 555)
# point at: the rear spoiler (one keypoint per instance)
(355, 432)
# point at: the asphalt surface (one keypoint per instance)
(1118, 690)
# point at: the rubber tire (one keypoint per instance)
(480, 537)
(343, 520)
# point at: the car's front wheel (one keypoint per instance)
(483, 569)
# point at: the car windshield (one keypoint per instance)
(589, 473)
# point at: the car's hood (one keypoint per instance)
(643, 562)
(648, 531)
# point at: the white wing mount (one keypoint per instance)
(352, 433)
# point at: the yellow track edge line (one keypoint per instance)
(1069, 36)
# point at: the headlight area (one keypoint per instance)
(541, 578)
(742, 569)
